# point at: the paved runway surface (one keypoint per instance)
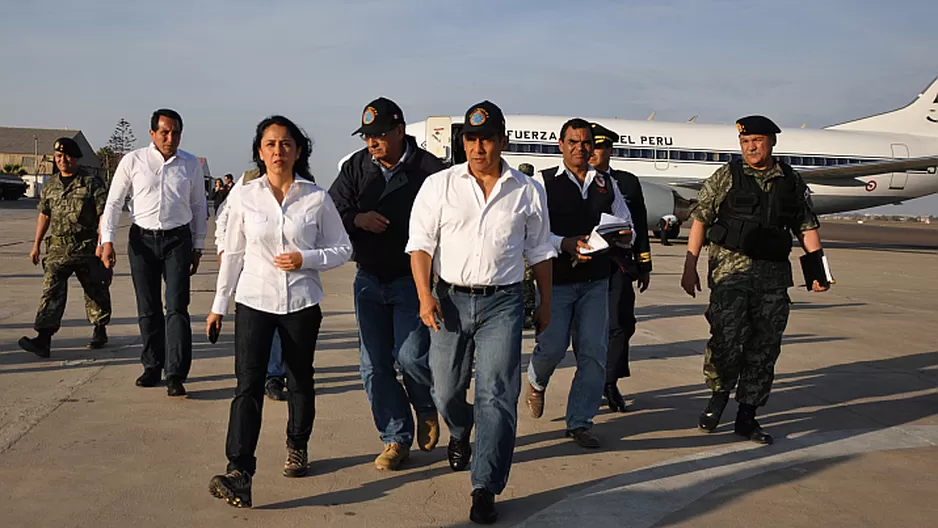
(854, 413)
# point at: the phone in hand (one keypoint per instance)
(213, 334)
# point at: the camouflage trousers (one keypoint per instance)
(530, 296)
(746, 328)
(95, 279)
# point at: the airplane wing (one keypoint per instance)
(844, 175)
(857, 170)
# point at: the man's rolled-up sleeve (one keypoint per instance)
(424, 228)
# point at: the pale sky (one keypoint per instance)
(225, 65)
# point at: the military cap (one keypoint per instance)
(526, 168)
(67, 146)
(484, 120)
(380, 116)
(756, 124)
(602, 134)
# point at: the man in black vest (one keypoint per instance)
(577, 196)
(747, 211)
(628, 265)
(374, 194)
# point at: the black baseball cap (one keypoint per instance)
(67, 146)
(484, 120)
(602, 134)
(380, 116)
(756, 124)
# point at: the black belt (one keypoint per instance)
(479, 290)
(161, 232)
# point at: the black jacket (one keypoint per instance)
(638, 259)
(361, 187)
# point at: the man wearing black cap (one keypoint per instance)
(473, 225)
(747, 211)
(628, 265)
(70, 207)
(374, 193)
(577, 196)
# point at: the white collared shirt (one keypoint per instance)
(258, 229)
(620, 208)
(164, 194)
(475, 242)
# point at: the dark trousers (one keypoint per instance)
(253, 331)
(621, 324)
(167, 340)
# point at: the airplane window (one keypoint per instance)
(785, 159)
(661, 154)
(852, 160)
(736, 156)
(700, 156)
(676, 155)
(724, 157)
(842, 161)
(796, 160)
(830, 161)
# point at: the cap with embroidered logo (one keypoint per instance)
(602, 135)
(380, 116)
(484, 120)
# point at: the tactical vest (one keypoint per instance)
(754, 222)
(571, 215)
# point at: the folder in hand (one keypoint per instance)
(815, 267)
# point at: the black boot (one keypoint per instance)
(748, 427)
(710, 417)
(39, 345)
(614, 398)
(98, 337)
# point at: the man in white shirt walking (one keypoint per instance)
(168, 211)
(577, 197)
(474, 224)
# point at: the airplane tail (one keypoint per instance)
(919, 117)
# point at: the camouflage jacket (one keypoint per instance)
(73, 206)
(727, 267)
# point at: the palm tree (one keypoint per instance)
(13, 168)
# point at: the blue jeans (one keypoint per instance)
(390, 330)
(275, 367)
(579, 309)
(487, 328)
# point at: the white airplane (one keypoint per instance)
(882, 159)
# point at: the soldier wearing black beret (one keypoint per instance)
(628, 265)
(747, 212)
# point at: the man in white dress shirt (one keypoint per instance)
(168, 211)
(475, 224)
(577, 197)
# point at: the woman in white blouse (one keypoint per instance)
(282, 230)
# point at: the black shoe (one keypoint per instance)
(150, 378)
(483, 507)
(98, 337)
(297, 463)
(174, 387)
(583, 437)
(614, 398)
(275, 389)
(234, 487)
(748, 427)
(39, 345)
(458, 452)
(710, 417)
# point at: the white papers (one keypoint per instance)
(596, 242)
(827, 270)
(609, 224)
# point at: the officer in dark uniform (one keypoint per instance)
(70, 208)
(747, 211)
(628, 265)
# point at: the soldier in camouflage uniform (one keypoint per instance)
(747, 211)
(70, 207)
(530, 291)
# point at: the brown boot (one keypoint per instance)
(428, 431)
(392, 456)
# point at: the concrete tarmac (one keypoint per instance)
(854, 412)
